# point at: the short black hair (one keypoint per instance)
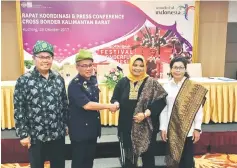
(180, 59)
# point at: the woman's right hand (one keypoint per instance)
(163, 135)
(117, 107)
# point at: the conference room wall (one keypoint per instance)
(231, 42)
(211, 51)
(212, 37)
(10, 59)
(232, 14)
(231, 51)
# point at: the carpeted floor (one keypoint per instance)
(202, 161)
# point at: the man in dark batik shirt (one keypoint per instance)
(41, 109)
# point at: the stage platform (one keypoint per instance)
(216, 138)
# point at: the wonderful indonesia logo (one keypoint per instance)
(172, 10)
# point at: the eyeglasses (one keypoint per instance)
(86, 66)
(178, 68)
(44, 58)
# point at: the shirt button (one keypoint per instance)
(86, 124)
(98, 117)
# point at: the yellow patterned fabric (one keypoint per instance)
(133, 94)
(186, 105)
(220, 106)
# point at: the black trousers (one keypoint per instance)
(83, 153)
(148, 157)
(187, 160)
(52, 151)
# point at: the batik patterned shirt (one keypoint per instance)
(40, 106)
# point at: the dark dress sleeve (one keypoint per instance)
(157, 106)
(117, 94)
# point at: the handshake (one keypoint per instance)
(114, 107)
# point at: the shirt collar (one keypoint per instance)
(38, 74)
(82, 79)
(179, 83)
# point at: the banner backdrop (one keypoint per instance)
(112, 30)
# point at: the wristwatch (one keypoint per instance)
(198, 130)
